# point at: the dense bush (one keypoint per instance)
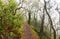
(10, 24)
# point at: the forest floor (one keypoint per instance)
(28, 32)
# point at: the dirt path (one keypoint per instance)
(28, 32)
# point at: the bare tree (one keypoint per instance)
(51, 23)
(42, 24)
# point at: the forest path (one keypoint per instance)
(28, 32)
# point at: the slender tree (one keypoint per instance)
(51, 23)
(42, 23)
(29, 16)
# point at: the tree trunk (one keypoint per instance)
(29, 17)
(50, 20)
(42, 24)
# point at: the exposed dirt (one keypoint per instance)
(28, 32)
